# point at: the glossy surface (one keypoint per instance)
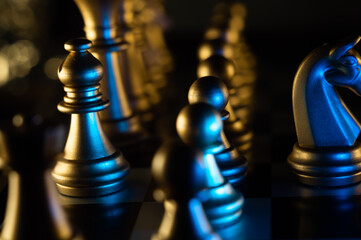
(321, 117)
(213, 91)
(180, 174)
(102, 26)
(327, 153)
(89, 165)
(199, 125)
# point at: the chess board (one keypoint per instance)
(276, 206)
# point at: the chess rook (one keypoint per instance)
(327, 152)
(103, 28)
(179, 171)
(89, 165)
(200, 126)
(213, 91)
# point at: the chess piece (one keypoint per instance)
(243, 80)
(4, 160)
(89, 165)
(102, 27)
(213, 91)
(235, 127)
(153, 83)
(179, 171)
(33, 209)
(158, 58)
(227, 25)
(327, 152)
(200, 125)
(220, 67)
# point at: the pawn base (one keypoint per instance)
(233, 167)
(223, 205)
(239, 135)
(90, 178)
(328, 167)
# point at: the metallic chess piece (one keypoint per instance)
(32, 207)
(200, 125)
(327, 152)
(244, 76)
(179, 171)
(213, 91)
(240, 95)
(139, 50)
(89, 165)
(235, 127)
(102, 27)
(157, 56)
(224, 37)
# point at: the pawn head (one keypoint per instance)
(200, 125)
(217, 66)
(211, 90)
(178, 170)
(80, 68)
(214, 47)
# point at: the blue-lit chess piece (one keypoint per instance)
(213, 91)
(200, 125)
(237, 127)
(89, 165)
(179, 172)
(327, 152)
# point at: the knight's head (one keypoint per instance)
(345, 65)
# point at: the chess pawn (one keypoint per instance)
(89, 165)
(240, 96)
(200, 126)
(244, 77)
(120, 122)
(33, 209)
(327, 152)
(179, 171)
(235, 127)
(213, 91)
(227, 26)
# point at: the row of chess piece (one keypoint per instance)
(199, 173)
(199, 197)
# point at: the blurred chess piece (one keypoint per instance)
(327, 152)
(157, 56)
(224, 37)
(213, 91)
(89, 165)
(4, 160)
(136, 17)
(200, 126)
(227, 25)
(236, 128)
(179, 171)
(32, 209)
(103, 28)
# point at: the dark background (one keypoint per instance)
(281, 30)
(280, 34)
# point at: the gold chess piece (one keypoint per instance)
(89, 165)
(103, 28)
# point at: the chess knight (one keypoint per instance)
(327, 152)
